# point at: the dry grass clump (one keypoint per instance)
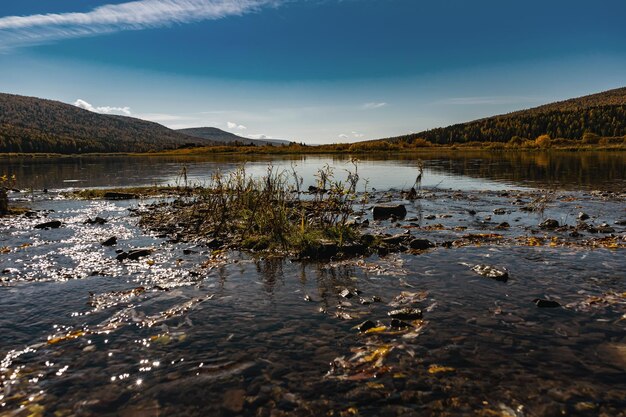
(240, 211)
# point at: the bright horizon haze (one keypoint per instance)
(314, 71)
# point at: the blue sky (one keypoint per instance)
(317, 71)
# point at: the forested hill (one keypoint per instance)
(603, 114)
(227, 138)
(29, 124)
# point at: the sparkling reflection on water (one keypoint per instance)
(187, 331)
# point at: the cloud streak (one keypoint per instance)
(18, 31)
(370, 106)
(104, 109)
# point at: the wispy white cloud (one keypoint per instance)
(259, 136)
(357, 134)
(464, 101)
(104, 109)
(373, 105)
(18, 31)
(343, 136)
(232, 125)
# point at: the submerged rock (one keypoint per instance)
(399, 324)
(605, 228)
(110, 195)
(55, 224)
(491, 272)
(546, 303)
(395, 239)
(97, 220)
(406, 314)
(385, 211)
(583, 216)
(421, 244)
(134, 254)
(549, 224)
(109, 242)
(365, 326)
(346, 293)
(233, 400)
(499, 211)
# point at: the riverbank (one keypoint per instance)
(364, 148)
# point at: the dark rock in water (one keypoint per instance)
(55, 224)
(135, 254)
(575, 234)
(214, 244)
(365, 326)
(109, 242)
(471, 212)
(546, 303)
(395, 239)
(491, 272)
(406, 314)
(385, 211)
(399, 324)
(421, 244)
(367, 239)
(45, 191)
(620, 222)
(605, 228)
(365, 223)
(188, 252)
(325, 249)
(97, 220)
(503, 225)
(583, 216)
(353, 249)
(499, 211)
(430, 217)
(4, 202)
(549, 224)
(110, 195)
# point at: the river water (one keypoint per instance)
(191, 331)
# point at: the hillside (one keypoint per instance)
(227, 138)
(603, 114)
(29, 124)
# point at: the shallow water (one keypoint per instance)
(190, 331)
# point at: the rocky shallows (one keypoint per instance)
(301, 303)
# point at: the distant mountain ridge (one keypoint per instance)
(227, 138)
(29, 124)
(603, 114)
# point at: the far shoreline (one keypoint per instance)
(334, 149)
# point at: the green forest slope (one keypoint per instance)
(602, 114)
(29, 124)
